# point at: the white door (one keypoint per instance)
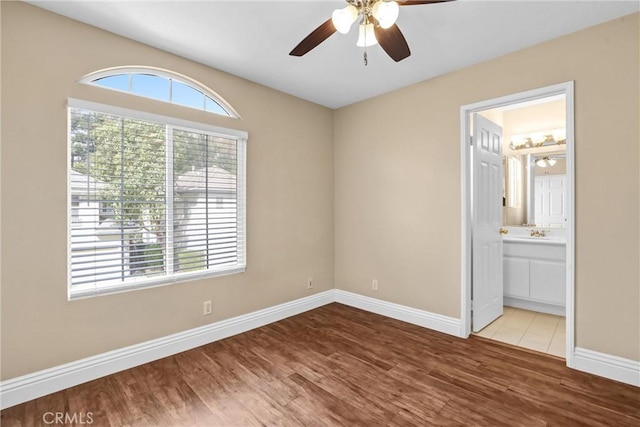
(486, 223)
(551, 195)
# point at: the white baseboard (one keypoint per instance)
(31, 386)
(437, 322)
(606, 365)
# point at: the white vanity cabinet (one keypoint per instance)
(535, 275)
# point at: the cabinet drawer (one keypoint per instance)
(535, 250)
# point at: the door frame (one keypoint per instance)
(567, 89)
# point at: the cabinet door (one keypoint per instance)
(547, 281)
(516, 277)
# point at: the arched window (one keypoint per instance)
(163, 85)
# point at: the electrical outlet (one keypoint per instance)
(310, 283)
(374, 284)
(207, 308)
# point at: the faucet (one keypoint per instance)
(537, 233)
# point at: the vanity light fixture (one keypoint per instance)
(538, 139)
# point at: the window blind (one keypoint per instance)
(151, 202)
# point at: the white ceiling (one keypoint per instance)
(252, 39)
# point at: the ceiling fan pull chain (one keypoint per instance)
(366, 60)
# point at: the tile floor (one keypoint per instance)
(536, 331)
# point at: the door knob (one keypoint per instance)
(504, 231)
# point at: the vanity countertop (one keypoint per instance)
(556, 240)
(553, 236)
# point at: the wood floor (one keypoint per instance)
(337, 365)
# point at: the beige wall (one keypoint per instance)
(0, 189)
(397, 183)
(290, 196)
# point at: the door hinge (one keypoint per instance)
(471, 141)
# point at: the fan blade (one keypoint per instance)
(316, 37)
(393, 42)
(418, 2)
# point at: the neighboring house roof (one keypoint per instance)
(84, 184)
(218, 179)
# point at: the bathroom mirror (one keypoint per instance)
(534, 161)
(534, 189)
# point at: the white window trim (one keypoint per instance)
(80, 292)
(140, 69)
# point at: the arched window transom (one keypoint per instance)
(162, 85)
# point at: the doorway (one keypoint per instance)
(469, 301)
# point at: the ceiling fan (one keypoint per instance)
(377, 26)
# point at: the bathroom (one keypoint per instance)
(534, 213)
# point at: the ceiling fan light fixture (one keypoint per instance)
(386, 12)
(541, 163)
(343, 18)
(551, 162)
(376, 27)
(366, 36)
